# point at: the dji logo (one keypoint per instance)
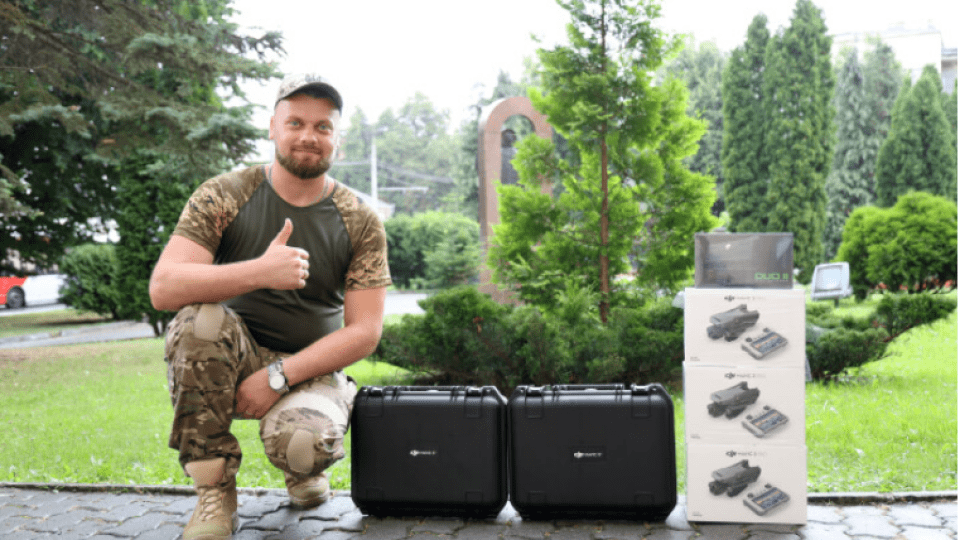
(416, 453)
(582, 455)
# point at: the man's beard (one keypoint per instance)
(303, 170)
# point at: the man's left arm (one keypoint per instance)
(362, 327)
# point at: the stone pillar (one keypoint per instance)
(489, 163)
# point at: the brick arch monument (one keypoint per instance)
(489, 165)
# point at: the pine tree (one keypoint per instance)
(798, 84)
(919, 154)
(744, 172)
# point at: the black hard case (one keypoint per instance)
(592, 451)
(420, 450)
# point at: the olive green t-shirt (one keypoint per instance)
(236, 215)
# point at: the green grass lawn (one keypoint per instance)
(101, 414)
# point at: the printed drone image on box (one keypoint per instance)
(737, 405)
(752, 260)
(747, 484)
(734, 327)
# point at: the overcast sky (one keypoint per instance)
(379, 53)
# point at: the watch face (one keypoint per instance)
(276, 381)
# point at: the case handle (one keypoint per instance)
(574, 387)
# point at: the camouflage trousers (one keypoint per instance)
(209, 351)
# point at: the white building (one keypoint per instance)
(914, 46)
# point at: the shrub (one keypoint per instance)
(900, 312)
(844, 348)
(464, 337)
(909, 246)
(432, 249)
(849, 342)
(91, 282)
(460, 339)
(650, 339)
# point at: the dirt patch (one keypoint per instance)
(14, 357)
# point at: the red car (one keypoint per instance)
(15, 291)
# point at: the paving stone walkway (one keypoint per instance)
(147, 513)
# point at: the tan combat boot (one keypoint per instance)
(215, 517)
(307, 492)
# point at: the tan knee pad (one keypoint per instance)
(301, 452)
(301, 447)
(208, 322)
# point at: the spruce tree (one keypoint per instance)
(744, 171)
(798, 86)
(850, 183)
(919, 154)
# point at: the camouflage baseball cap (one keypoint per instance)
(299, 81)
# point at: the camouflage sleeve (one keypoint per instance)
(213, 206)
(368, 268)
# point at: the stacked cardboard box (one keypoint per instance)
(744, 383)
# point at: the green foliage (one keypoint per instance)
(701, 69)
(844, 348)
(435, 249)
(919, 154)
(910, 245)
(744, 121)
(92, 282)
(414, 151)
(798, 85)
(152, 198)
(455, 260)
(629, 138)
(899, 312)
(87, 84)
(464, 337)
(461, 336)
(863, 99)
(846, 341)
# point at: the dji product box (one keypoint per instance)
(744, 405)
(752, 260)
(747, 484)
(744, 327)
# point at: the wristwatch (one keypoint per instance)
(277, 378)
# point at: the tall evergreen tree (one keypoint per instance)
(864, 100)
(798, 83)
(882, 79)
(850, 182)
(919, 154)
(630, 188)
(701, 69)
(744, 170)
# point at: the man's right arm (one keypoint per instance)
(185, 273)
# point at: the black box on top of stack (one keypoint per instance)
(421, 450)
(604, 451)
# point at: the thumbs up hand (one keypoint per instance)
(285, 267)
